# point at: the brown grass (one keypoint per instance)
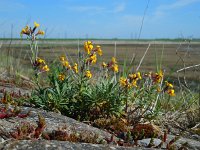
(174, 56)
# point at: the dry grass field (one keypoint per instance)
(171, 56)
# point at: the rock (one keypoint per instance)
(189, 143)
(145, 142)
(53, 120)
(59, 145)
(181, 142)
(56, 121)
(1, 140)
(197, 137)
(11, 88)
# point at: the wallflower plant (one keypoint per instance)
(32, 34)
(79, 91)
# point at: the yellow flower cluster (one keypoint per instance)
(36, 24)
(157, 77)
(65, 63)
(30, 32)
(92, 59)
(88, 46)
(111, 65)
(45, 68)
(135, 76)
(91, 51)
(169, 85)
(75, 68)
(26, 30)
(131, 81)
(61, 77)
(115, 68)
(99, 51)
(171, 92)
(40, 63)
(62, 58)
(40, 32)
(169, 88)
(113, 60)
(88, 74)
(124, 82)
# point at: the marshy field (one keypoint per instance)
(171, 55)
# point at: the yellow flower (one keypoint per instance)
(113, 60)
(135, 76)
(92, 59)
(40, 61)
(61, 77)
(45, 68)
(169, 84)
(171, 92)
(40, 32)
(123, 81)
(139, 75)
(62, 58)
(36, 24)
(88, 74)
(134, 83)
(66, 64)
(88, 46)
(75, 68)
(160, 73)
(25, 30)
(104, 65)
(157, 77)
(99, 51)
(115, 68)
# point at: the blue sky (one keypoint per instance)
(103, 18)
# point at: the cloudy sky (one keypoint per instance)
(103, 18)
